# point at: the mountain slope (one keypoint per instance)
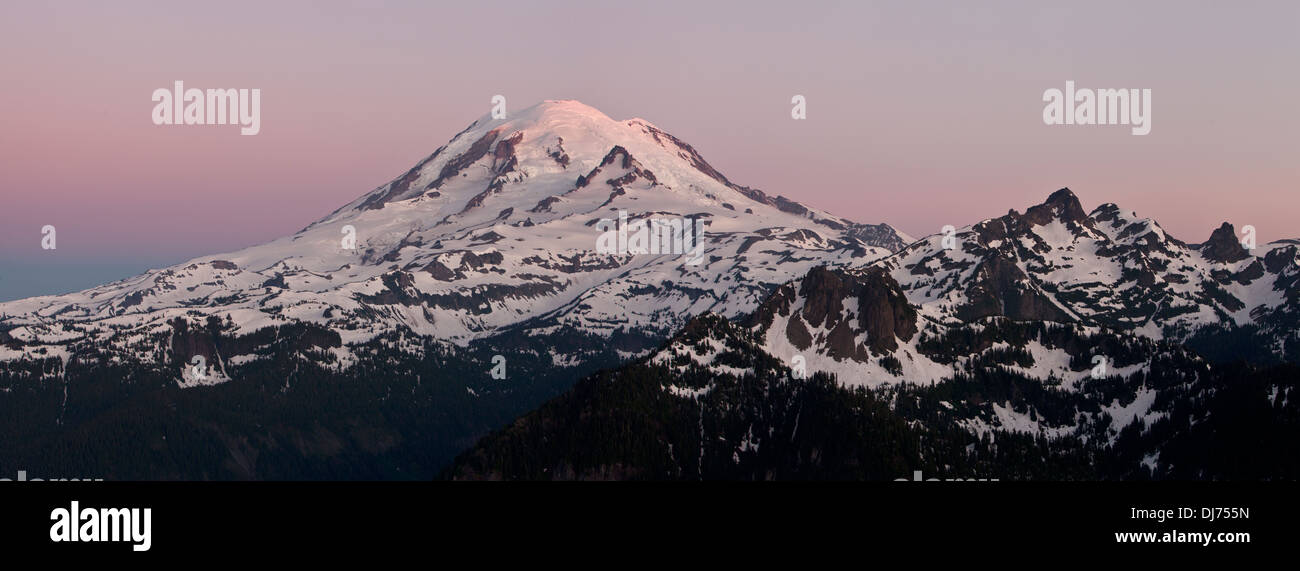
(1077, 303)
(1065, 344)
(711, 404)
(1107, 270)
(497, 228)
(479, 285)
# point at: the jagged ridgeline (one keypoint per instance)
(1053, 344)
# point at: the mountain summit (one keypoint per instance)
(495, 230)
(1061, 205)
(382, 339)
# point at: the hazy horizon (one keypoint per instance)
(918, 116)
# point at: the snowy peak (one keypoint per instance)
(550, 149)
(497, 230)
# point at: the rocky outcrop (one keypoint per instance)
(883, 312)
(827, 321)
(1000, 288)
(625, 161)
(1223, 246)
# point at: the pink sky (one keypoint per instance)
(918, 116)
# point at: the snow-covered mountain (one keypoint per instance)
(1086, 329)
(496, 230)
(899, 317)
(1054, 344)
(1094, 340)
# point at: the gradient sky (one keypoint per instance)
(919, 114)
